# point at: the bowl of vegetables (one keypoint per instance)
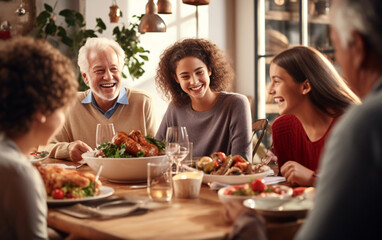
(264, 195)
(125, 160)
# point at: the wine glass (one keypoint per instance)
(104, 133)
(177, 145)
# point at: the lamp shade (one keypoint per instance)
(115, 13)
(164, 6)
(197, 2)
(151, 21)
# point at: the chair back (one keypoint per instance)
(260, 126)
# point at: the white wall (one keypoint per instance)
(245, 60)
(180, 24)
(228, 23)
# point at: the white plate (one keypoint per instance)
(105, 192)
(37, 158)
(233, 179)
(292, 209)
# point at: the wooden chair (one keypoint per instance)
(260, 126)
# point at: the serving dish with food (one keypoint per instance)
(125, 158)
(70, 185)
(104, 192)
(36, 157)
(296, 207)
(230, 169)
(265, 195)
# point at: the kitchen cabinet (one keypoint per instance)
(281, 24)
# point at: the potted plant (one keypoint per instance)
(74, 36)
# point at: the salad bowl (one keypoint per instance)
(122, 170)
(270, 199)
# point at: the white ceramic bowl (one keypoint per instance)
(272, 200)
(122, 170)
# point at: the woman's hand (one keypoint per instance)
(269, 156)
(76, 149)
(296, 174)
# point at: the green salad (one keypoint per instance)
(111, 150)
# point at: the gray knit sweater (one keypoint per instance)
(226, 127)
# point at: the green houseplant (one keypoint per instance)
(74, 36)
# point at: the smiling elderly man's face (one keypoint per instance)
(104, 75)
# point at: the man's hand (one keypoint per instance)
(76, 149)
(296, 174)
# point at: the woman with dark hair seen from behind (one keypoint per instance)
(37, 84)
(194, 74)
(311, 96)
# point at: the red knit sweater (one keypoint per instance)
(290, 142)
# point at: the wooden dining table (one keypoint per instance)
(199, 218)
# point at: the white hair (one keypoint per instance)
(98, 44)
(362, 17)
(347, 19)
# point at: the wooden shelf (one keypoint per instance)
(294, 17)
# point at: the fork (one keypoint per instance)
(78, 166)
(97, 176)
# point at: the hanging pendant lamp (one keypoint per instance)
(151, 21)
(164, 6)
(115, 13)
(197, 2)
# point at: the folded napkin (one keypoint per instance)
(270, 180)
(111, 208)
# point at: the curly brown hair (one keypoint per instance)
(206, 51)
(34, 77)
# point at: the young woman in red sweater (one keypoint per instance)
(311, 96)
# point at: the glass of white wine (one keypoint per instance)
(159, 181)
(104, 133)
(177, 145)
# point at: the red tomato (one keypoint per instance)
(258, 185)
(216, 163)
(58, 194)
(298, 190)
(238, 158)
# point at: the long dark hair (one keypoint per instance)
(329, 91)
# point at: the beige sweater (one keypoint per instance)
(82, 120)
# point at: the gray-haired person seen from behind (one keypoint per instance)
(348, 196)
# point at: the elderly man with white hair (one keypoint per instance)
(107, 101)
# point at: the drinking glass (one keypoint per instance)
(159, 181)
(104, 133)
(177, 145)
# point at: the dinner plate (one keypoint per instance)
(39, 157)
(104, 192)
(291, 210)
(232, 179)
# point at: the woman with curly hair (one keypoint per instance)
(37, 84)
(311, 97)
(194, 74)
